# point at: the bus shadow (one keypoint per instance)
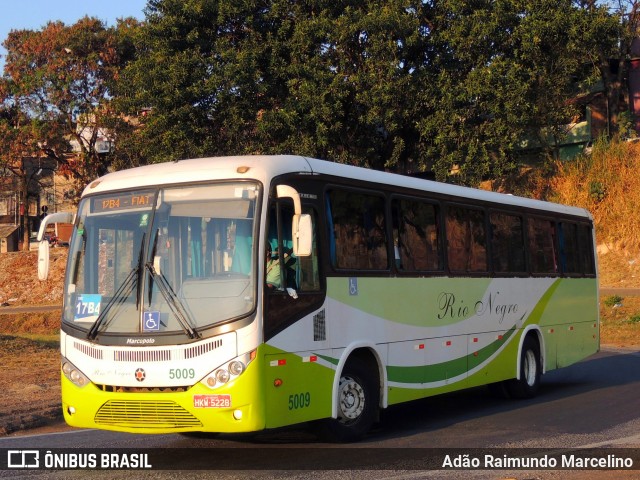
(608, 369)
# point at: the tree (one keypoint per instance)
(197, 96)
(55, 93)
(334, 80)
(352, 74)
(507, 71)
(444, 85)
(612, 58)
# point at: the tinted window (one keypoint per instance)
(357, 230)
(585, 241)
(507, 243)
(542, 249)
(466, 240)
(417, 236)
(569, 251)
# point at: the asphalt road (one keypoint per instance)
(594, 404)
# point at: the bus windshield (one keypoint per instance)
(167, 260)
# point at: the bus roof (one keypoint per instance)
(264, 167)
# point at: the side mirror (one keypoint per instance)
(43, 259)
(302, 229)
(43, 243)
(302, 235)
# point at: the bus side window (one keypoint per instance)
(466, 240)
(569, 254)
(357, 230)
(542, 245)
(416, 233)
(585, 242)
(301, 273)
(507, 242)
(308, 273)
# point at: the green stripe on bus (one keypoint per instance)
(541, 306)
(449, 369)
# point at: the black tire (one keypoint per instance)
(499, 390)
(358, 402)
(530, 370)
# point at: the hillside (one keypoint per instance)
(29, 351)
(607, 183)
(19, 284)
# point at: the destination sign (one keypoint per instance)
(122, 201)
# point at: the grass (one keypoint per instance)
(620, 322)
(45, 340)
(612, 301)
(608, 185)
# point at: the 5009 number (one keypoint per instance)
(179, 373)
(299, 400)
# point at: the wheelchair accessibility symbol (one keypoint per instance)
(353, 286)
(151, 321)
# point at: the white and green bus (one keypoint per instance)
(243, 293)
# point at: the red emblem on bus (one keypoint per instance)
(140, 375)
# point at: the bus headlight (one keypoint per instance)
(236, 367)
(222, 375)
(73, 373)
(229, 371)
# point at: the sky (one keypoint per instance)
(34, 14)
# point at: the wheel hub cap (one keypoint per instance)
(351, 397)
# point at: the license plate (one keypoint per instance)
(212, 401)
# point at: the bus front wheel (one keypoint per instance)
(530, 370)
(358, 400)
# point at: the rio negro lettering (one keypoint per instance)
(451, 307)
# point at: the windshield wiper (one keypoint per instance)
(174, 302)
(121, 294)
(118, 299)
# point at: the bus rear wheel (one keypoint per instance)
(358, 400)
(530, 370)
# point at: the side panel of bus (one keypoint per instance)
(423, 354)
(431, 331)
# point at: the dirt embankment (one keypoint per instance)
(29, 351)
(19, 284)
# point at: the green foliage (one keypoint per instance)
(56, 89)
(626, 123)
(448, 86)
(635, 319)
(597, 190)
(613, 300)
(389, 85)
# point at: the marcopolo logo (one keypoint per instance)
(23, 459)
(141, 341)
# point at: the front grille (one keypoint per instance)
(142, 355)
(119, 389)
(145, 414)
(88, 350)
(198, 350)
